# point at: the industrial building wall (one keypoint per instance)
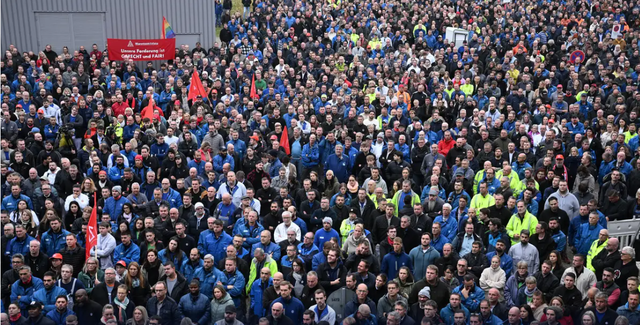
(31, 24)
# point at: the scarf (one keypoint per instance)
(15, 318)
(122, 310)
(521, 279)
(390, 241)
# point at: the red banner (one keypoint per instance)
(141, 49)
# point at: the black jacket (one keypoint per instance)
(544, 246)
(546, 284)
(101, 295)
(572, 298)
(170, 313)
(477, 262)
(410, 238)
(603, 260)
(181, 287)
(89, 313)
(354, 259)
(284, 320)
(75, 258)
(380, 227)
(42, 320)
(439, 292)
(325, 276)
(364, 214)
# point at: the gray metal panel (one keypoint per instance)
(54, 28)
(141, 19)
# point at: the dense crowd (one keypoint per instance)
(346, 164)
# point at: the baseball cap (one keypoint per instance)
(274, 137)
(353, 210)
(40, 111)
(35, 130)
(255, 137)
(551, 121)
(177, 102)
(44, 178)
(230, 309)
(560, 157)
(34, 304)
(122, 263)
(138, 157)
(102, 172)
(246, 197)
(56, 256)
(199, 205)
(433, 190)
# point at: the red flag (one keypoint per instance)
(92, 228)
(254, 93)
(148, 111)
(196, 87)
(284, 141)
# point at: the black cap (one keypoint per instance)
(230, 309)
(34, 304)
(353, 210)
(273, 153)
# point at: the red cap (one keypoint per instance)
(40, 111)
(559, 86)
(56, 256)
(274, 137)
(558, 157)
(254, 137)
(551, 121)
(102, 172)
(594, 85)
(122, 263)
(177, 102)
(138, 157)
(19, 105)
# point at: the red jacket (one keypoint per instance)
(444, 146)
(118, 108)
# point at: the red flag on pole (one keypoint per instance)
(254, 93)
(92, 228)
(284, 141)
(196, 87)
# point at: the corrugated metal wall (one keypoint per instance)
(141, 19)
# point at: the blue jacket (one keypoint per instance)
(520, 168)
(256, 292)
(167, 256)
(160, 151)
(578, 128)
(447, 314)
(25, 293)
(115, 174)
(449, 228)
(164, 100)
(585, 237)
(271, 248)
(238, 282)
(392, 262)
(472, 302)
(439, 243)
(52, 242)
(60, 318)
(127, 133)
(454, 199)
(48, 297)
(131, 157)
(16, 246)
(218, 162)
(113, 207)
(506, 262)
(561, 240)
(198, 166)
(310, 155)
(492, 320)
(293, 308)
(188, 270)
(215, 246)
(632, 315)
(208, 279)
(326, 149)
(339, 166)
(322, 236)
(239, 146)
(10, 203)
(173, 197)
(421, 260)
(252, 235)
(127, 254)
(197, 309)
(317, 260)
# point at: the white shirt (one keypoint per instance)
(171, 140)
(280, 234)
(82, 199)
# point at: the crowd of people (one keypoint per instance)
(346, 164)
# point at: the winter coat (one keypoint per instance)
(392, 262)
(255, 293)
(254, 271)
(516, 225)
(197, 309)
(632, 315)
(218, 306)
(48, 297)
(477, 262)
(127, 254)
(170, 313)
(25, 291)
(385, 305)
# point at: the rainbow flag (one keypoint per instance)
(167, 31)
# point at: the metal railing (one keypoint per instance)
(625, 230)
